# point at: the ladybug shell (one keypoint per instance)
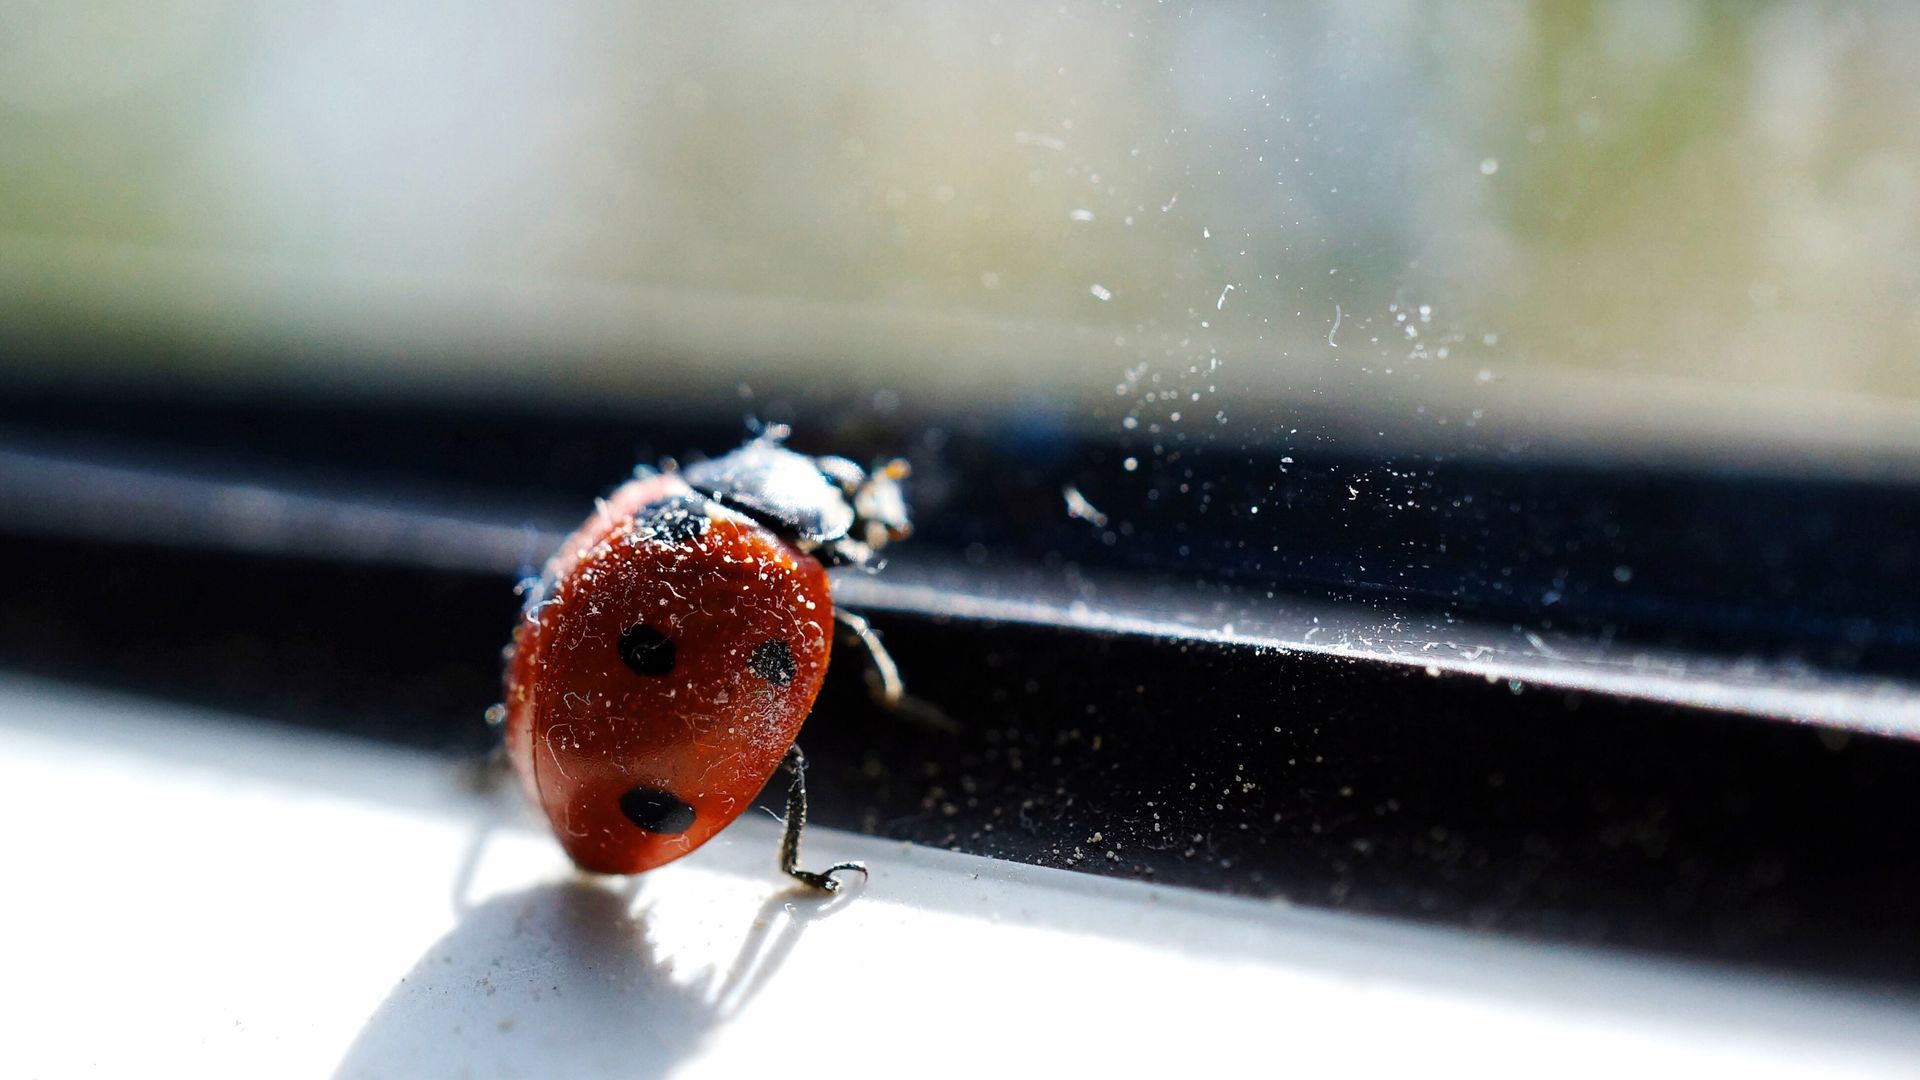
(660, 673)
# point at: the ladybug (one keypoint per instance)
(668, 654)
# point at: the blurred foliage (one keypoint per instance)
(1722, 192)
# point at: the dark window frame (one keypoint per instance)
(1714, 755)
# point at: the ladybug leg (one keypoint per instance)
(491, 772)
(883, 678)
(796, 763)
(883, 675)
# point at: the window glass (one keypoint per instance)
(1627, 227)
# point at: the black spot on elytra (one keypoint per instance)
(773, 661)
(647, 651)
(680, 520)
(656, 811)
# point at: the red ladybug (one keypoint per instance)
(674, 644)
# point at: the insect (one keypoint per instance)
(670, 651)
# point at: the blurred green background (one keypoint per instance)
(1621, 225)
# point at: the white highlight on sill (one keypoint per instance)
(237, 899)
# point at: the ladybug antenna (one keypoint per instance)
(765, 431)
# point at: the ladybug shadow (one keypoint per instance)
(566, 979)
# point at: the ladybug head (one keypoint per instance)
(826, 505)
(879, 506)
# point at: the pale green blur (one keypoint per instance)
(1719, 200)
